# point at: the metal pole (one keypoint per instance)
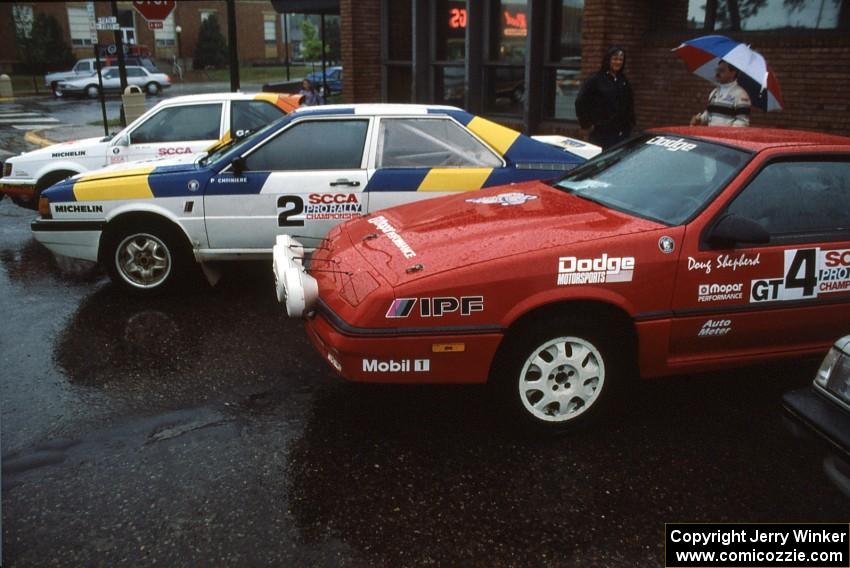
(286, 44)
(122, 69)
(100, 90)
(119, 45)
(231, 40)
(325, 92)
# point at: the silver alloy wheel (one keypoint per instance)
(561, 379)
(143, 260)
(92, 92)
(152, 88)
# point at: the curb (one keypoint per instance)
(19, 97)
(34, 137)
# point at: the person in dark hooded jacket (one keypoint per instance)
(605, 101)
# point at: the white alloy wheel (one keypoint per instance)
(143, 261)
(92, 91)
(152, 88)
(561, 379)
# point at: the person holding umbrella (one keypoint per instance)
(605, 101)
(729, 104)
(743, 77)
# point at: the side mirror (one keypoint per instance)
(123, 141)
(238, 165)
(733, 229)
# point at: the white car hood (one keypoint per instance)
(156, 162)
(65, 149)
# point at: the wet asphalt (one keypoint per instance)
(202, 429)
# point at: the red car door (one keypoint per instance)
(790, 295)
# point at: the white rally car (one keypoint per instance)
(148, 222)
(176, 126)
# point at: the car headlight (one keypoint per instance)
(826, 367)
(44, 207)
(834, 375)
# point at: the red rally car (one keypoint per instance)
(685, 249)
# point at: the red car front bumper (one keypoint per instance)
(418, 357)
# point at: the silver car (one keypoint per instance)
(151, 83)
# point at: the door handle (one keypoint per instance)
(347, 182)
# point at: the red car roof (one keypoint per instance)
(756, 139)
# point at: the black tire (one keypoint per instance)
(146, 256)
(152, 88)
(92, 91)
(582, 364)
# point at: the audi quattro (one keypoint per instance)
(682, 250)
(300, 175)
(175, 127)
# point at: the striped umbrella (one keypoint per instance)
(702, 54)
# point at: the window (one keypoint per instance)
(643, 177)
(505, 74)
(563, 60)
(399, 51)
(249, 116)
(798, 198)
(79, 26)
(166, 37)
(744, 15)
(269, 30)
(313, 145)
(196, 122)
(205, 14)
(450, 54)
(22, 16)
(135, 72)
(83, 67)
(422, 142)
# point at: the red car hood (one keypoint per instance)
(464, 229)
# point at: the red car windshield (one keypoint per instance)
(664, 178)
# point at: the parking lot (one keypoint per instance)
(202, 429)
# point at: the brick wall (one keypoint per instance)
(360, 43)
(249, 27)
(813, 71)
(813, 68)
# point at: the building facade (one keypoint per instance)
(259, 28)
(521, 62)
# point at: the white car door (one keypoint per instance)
(172, 131)
(303, 181)
(111, 80)
(137, 76)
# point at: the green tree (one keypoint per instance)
(211, 48)
(41, 44)
(311, 44)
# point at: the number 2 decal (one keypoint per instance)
(292, 206)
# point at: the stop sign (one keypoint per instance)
(153, 10)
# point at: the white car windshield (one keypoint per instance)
(665, 178)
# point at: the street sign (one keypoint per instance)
(92, 22)
(107, 20)
(154, 10)
(99, 26)
(155, 25)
